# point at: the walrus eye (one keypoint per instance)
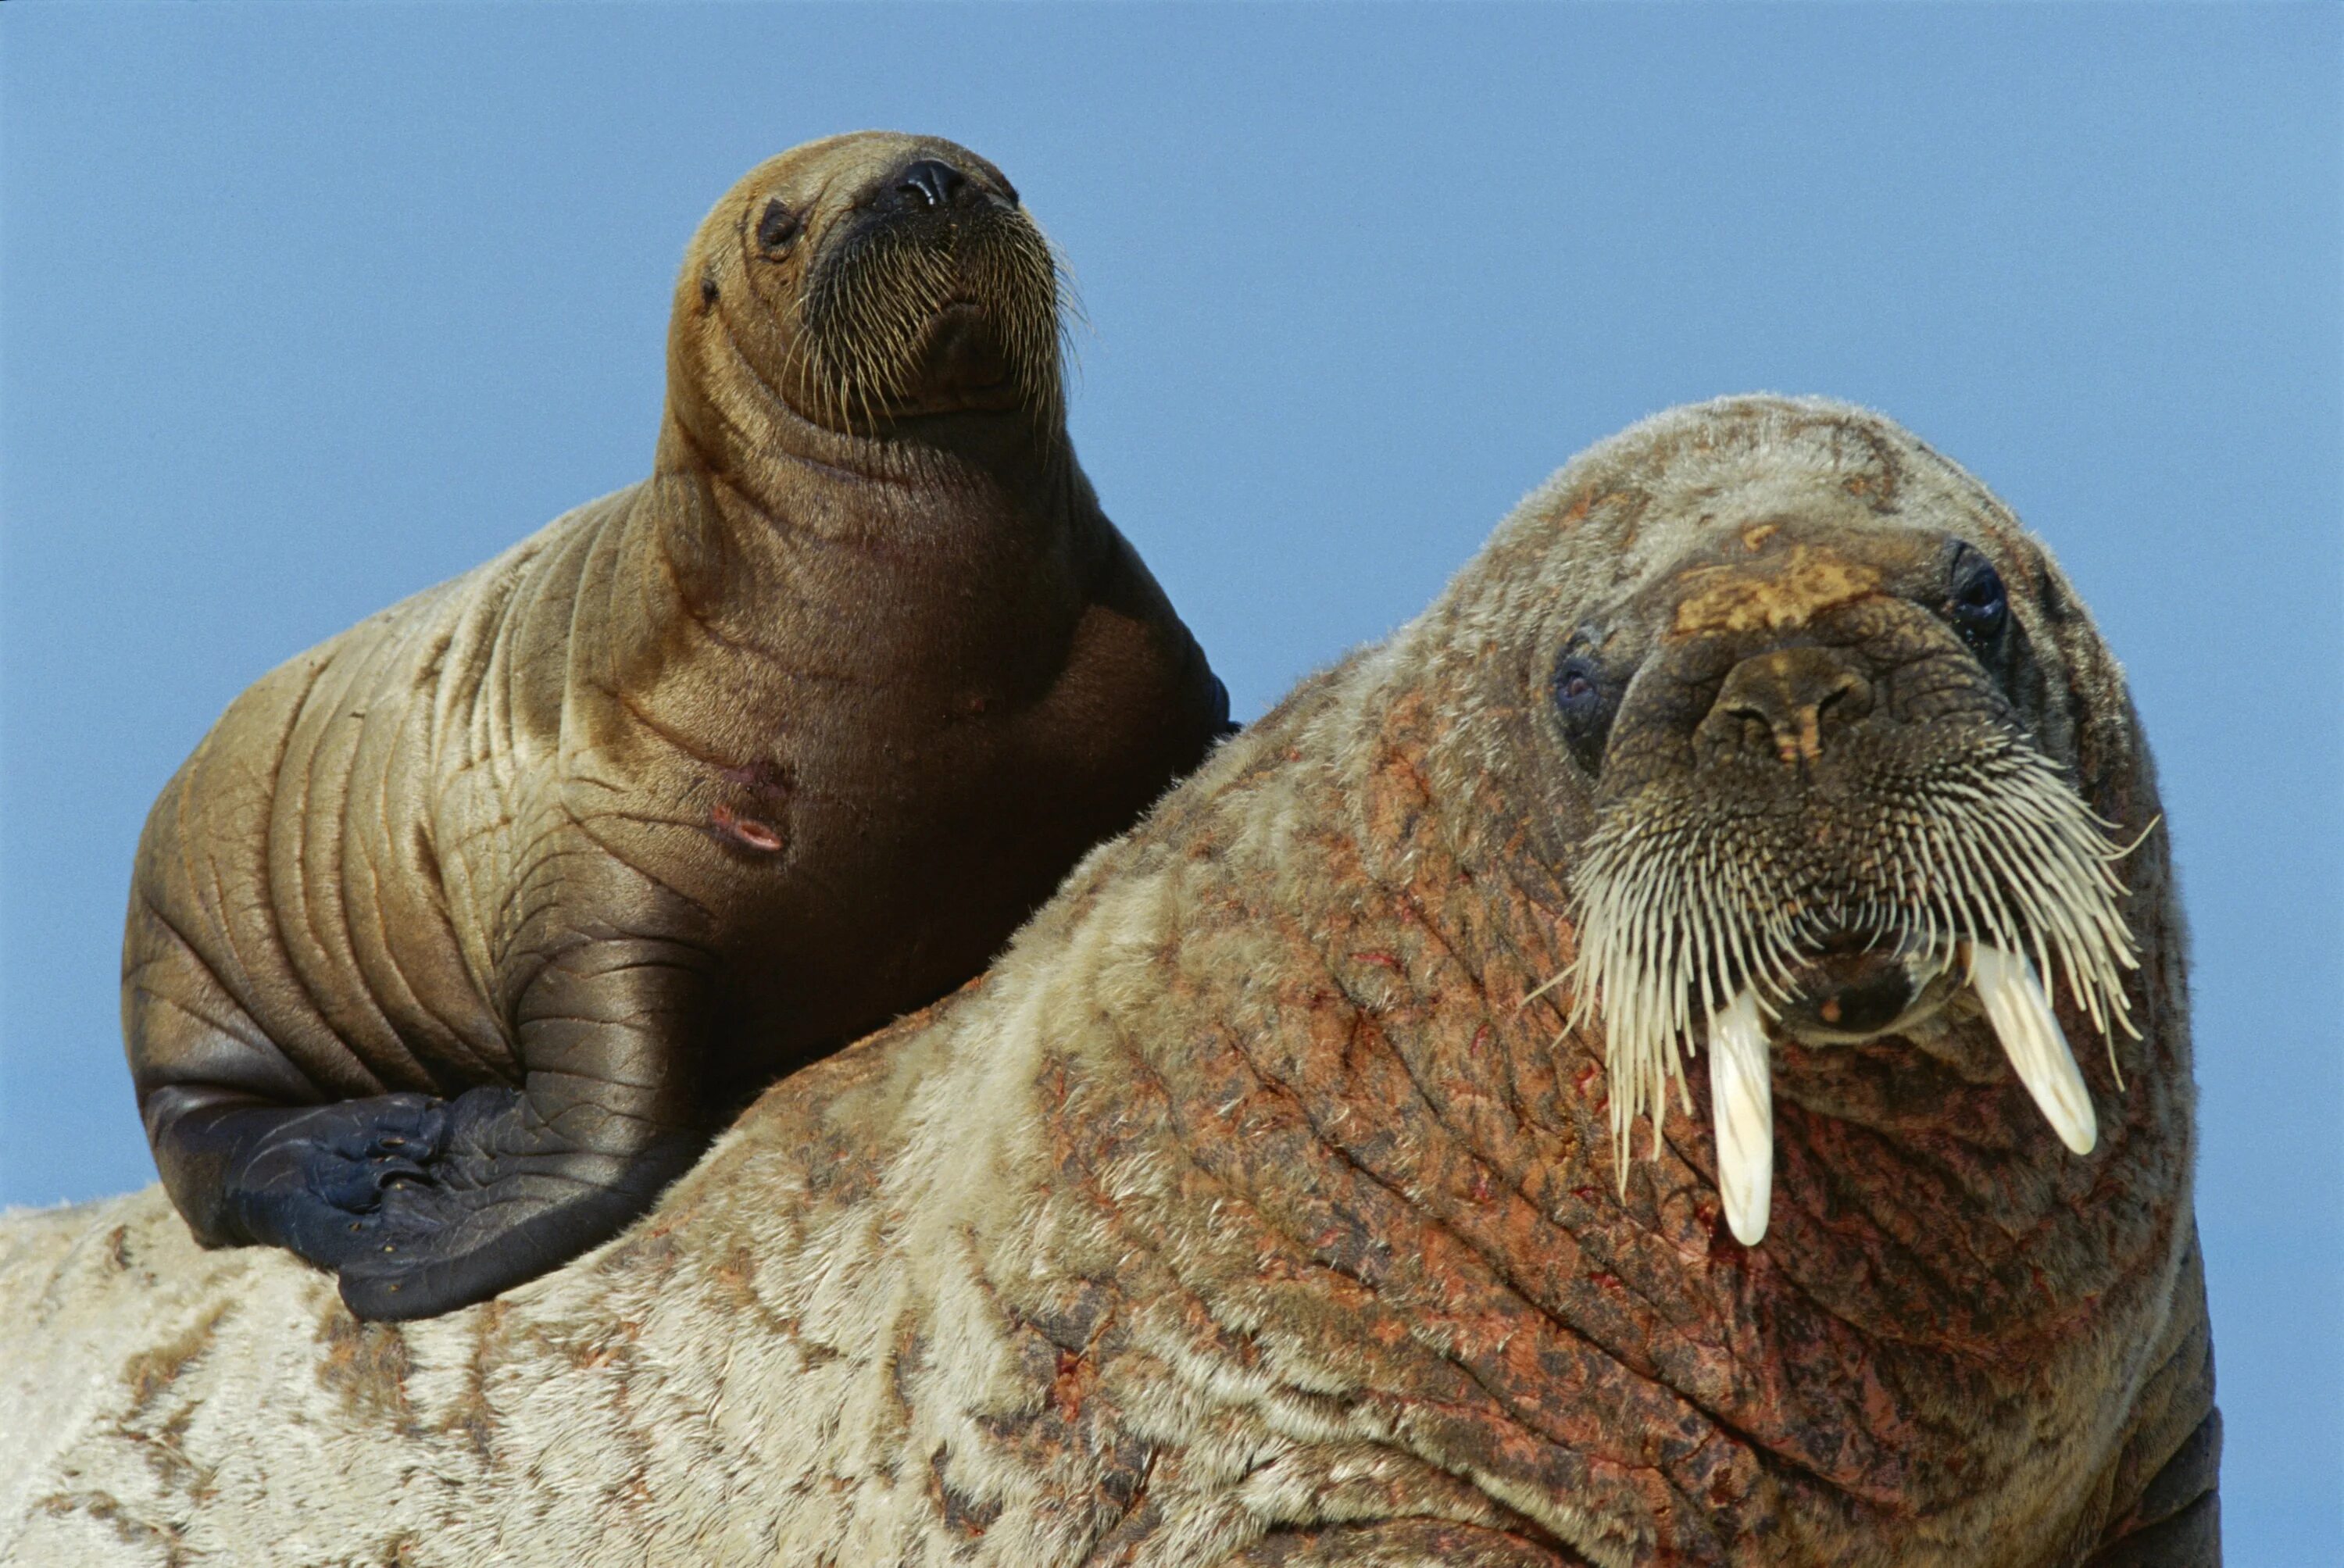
(1585, 708)
(776, 227)
(1980, 606)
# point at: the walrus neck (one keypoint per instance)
(1021, 454)
(993, 475)
(738, 529)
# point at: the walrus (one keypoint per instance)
(1263, 1205)
(456, 936)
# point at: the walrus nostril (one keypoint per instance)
(1793, 698)
(930, 183)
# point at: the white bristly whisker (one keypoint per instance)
(1679, 909)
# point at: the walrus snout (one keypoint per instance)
(1827, 795)
(1819, 658)
(927, 184)
(925, 289)
(1790, 702)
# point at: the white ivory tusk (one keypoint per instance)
(2021, 1015)
(1742, 1108)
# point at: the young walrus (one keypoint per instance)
(456, 936)
(1259, 1208)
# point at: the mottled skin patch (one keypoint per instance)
(1800, 582)
(1253, 1213)
(145, 1540)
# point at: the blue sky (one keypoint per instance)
(303, 308)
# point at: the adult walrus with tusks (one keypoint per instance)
(457, 937)
(1264, 1206)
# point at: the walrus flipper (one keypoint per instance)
(245, 1170)
(313, 1180)
(517, 1182)
(423, 1206)
(505, 1199)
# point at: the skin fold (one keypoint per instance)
(460, 934)
(1261, 1205)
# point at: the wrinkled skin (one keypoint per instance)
(458, 934)
(1252, 1211)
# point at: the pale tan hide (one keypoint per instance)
(1246, 1213)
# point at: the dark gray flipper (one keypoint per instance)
(423, 1204)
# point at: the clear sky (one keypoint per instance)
(303, 309)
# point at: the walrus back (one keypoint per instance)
(303, 924)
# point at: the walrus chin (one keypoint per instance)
(1991, 875)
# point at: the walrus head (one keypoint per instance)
(1811, 709)
(868, 282)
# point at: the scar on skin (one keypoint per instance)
(747, 829)
(1803, 581)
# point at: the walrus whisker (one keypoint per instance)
(1680, 923)
(1541, 988)
(870, 309)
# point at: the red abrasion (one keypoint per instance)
(745, 830)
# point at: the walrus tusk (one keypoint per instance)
(2021, 1015)
(1742, 1106)
(1741, 1085)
